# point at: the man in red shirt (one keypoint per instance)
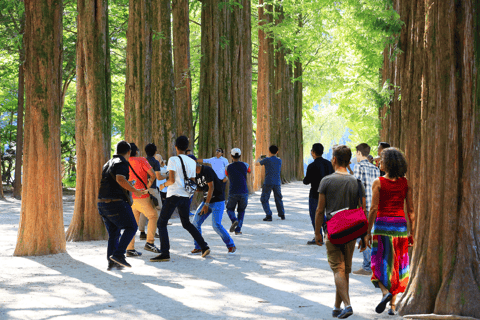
(141, 171)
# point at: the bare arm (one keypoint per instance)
(410, 212)
(319, 219)
(170, 181)
(209, 197)
(151, 178)
(257, 163)
(122, 181)
(373, 209)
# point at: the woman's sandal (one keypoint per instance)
(391, 311)
(383, 304)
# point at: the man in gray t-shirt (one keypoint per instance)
(339, 191)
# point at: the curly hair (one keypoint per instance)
(394, 163)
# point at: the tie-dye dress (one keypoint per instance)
(390, 238)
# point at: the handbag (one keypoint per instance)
(153, 199)
(348, 225)
(190, 185)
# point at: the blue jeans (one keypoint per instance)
(216, 208)
(367, 256)
(277, 194)
(312, 207)
(118, 216)
(240, 201)
(183, 211)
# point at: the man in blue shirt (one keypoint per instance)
(273, 166)
(238, 191)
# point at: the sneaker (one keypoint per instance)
(232, 250)
(336, 312)
(362, 272)
(161, 258)
(114, 266)
(391, 312)
(151, 247)
(347, 312)
(195, 251)
(120, 260)
(133, 253)
(267, 218)
(156, 235)
(143, 235)
(234, 226)
(311, 242)
(282, 217)
(238, 232)
(205, 252)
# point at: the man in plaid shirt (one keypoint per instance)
(367, 173)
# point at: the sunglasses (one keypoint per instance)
(218, 150)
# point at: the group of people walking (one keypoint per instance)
(159, 190)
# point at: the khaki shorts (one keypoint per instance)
(340, 261)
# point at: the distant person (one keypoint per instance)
(219, 163)
(370, 158)
(114, 208)
(213, 203)
(177, 196)
(381, 147)
(238, 192)
(316, 171)
(164, 173)
(150, 150)
(273, 166)
(142, 173)
(188, 152)
(366, 173)
(339, 191)
(390, 263)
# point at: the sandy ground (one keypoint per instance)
(273, 275)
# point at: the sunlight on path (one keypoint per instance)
(274, 274)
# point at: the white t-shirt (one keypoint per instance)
(174, 164)
(218, 165)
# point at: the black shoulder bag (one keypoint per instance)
(152, 198)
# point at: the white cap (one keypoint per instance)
(236, 152)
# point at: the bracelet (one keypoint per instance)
(207, 204)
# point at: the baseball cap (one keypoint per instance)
(192, 156)
(236, 152)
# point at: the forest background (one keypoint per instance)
(339, 44)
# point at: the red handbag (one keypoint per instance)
(348, 225)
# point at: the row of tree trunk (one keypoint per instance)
(436, 122)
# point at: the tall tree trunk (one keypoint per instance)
(264, 89)
(181, 55)
(17, 188)
(437, 124)
(297, 127)
(138, 107)
(164, 117)
(41, 228)
(93, 117)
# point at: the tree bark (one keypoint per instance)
(164, 116)
(264, 89)
(41, 228)
(138, 95)
(436, 122)
(93, 118)
(298, 128)
(181, 55)
(17, 188)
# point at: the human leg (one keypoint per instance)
(277, 194)
(187, 225)
(231, 204)
(167, 211)
(265, 197)
(217, 214)
(142, 222)
(137, 211)
(198, 221)
(312, 208)
(152, 215)
(242, 205)
(113, 235)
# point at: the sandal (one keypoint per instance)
(383, 304)
(391, 311)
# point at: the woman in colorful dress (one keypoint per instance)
(390, 265)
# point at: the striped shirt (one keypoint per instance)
(367, 173)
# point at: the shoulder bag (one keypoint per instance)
(190, 186)
(348, 225)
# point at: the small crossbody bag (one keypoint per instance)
(190, 185)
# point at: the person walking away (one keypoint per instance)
(337, 192)
(150, 150)
(380, 148)
(219, 163)
(178, 197)
(390, 263)
(140, 171)
(114, 208)
(366, 173)
(238, 192)
(273, 166)
(213, 203)
(316, 171)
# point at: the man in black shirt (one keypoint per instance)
(316, 170)
(114, 208)
(213, 202)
